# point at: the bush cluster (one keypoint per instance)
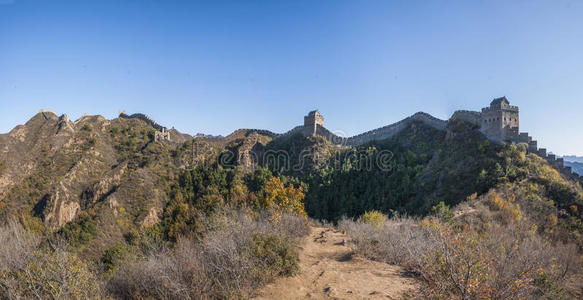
(374, 218)
(457, 261)
(240, 253)
(28, 270)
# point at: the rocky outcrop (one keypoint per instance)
(59, 209)
(250, 152)
(105, 186)
(152, 218)
(65, 126)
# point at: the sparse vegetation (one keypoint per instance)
(2, 166)
(28, 270)
(239, 253)
(457, 261)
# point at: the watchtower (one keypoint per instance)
(311, 122)
(500, 121)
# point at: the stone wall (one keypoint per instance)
(557, 163)
(144, 118)
(376, 134)
(390, 130)
(473, 117)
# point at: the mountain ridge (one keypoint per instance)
(105, 185)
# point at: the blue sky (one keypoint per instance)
(216, 66)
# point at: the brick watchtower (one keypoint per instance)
(500, 121)
(311, 122)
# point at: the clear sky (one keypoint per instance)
(216, 66)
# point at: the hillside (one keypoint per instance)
(118, 198)
(109, 175)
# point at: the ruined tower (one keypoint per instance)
(311, 122)
(162, 135)
(500, 121)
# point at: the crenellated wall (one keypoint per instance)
(390, 130)
(162, 134)
(473, 117)
(144, 118)
(558, 163)
(499, 122)
(317, 128)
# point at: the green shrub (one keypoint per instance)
(274, 256)
(92, 142)
(442, 211)
(2, 166)
(113, 255)
(78, 232)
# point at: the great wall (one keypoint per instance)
(499, 122)
(161, 134)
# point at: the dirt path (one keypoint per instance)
(329, 271)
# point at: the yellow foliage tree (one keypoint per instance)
(278, 196)
(374, 218)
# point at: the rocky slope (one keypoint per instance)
(52, 170)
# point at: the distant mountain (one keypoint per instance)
(573, 158)
(576, 166)
(575, 162)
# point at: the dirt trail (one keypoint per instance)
(329, 271)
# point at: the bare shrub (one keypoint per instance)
(17, 246)
(238, 253)
(159, 277)
(51, 272)
(498, 261)
(400, 240)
